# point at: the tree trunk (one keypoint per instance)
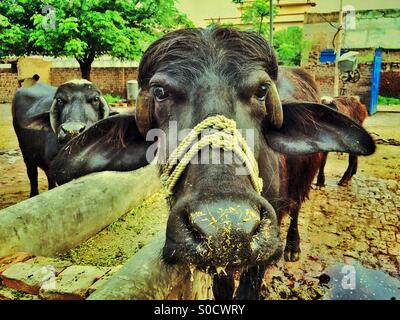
(86, 68)
(86, 65)
(261, 22)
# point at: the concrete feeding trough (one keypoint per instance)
(58, 220)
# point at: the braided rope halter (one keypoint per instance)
(227, 138)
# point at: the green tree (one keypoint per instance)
(288, 44)
(85, 29)
(256, 14)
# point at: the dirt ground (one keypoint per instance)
(359, 223)
(14, 183)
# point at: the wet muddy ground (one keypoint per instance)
(354, 225)
(341, 225)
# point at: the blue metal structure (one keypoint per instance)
(329, 55)
(376, 77)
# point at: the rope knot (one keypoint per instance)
(227, 138)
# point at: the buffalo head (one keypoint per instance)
(76, 105)
(217, 218)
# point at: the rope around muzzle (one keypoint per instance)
(227, 138)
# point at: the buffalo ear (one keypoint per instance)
(104, 108)
(38, 122)
(311, 127)
(111, 144)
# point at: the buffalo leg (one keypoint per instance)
(33, 178)
(355, 166)
(223, 287)
(250, 283)
(351, 170)
(50, 182)
(292, 248)
(321, 172)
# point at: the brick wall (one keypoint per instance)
(324, 76)
(389, 85)
(8, 85)
(325, 72)
(109, 80)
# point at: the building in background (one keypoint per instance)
(290, 12)
(366, 30)
(324, 6)
(205, 12)
(374, 34)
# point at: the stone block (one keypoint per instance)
(31, 275)
(393, 248)
(372, 234)
(8, 261)
(12, 294)
(387, 264)
(73, 283)
(380, 245)
(387, 235)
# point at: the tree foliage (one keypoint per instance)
(287, 42)
(85, 29)
(256, 14)
(288, 45)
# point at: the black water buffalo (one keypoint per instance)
(218, 219)
(45, 118)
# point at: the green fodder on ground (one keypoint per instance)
(123, 238)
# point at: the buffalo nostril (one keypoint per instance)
(198, 222)
(73, 128)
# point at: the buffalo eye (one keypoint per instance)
(96, 99)
(160, 93)
(261, 92)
